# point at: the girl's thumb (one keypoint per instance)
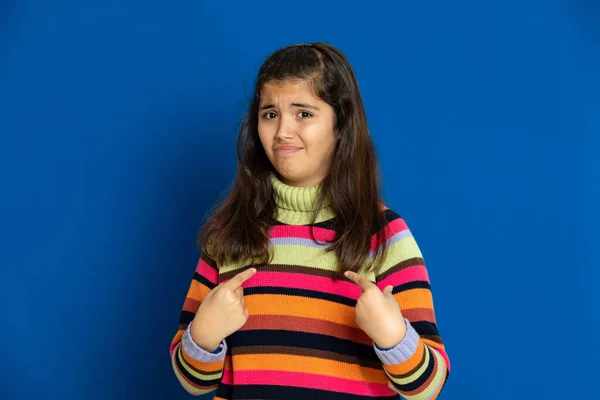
(388, 290)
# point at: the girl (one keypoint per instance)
(307, 286)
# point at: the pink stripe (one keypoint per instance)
(282, 231)
(203, 269)
(410, 274)
(397, 225)
(312, 381)
(291, 280)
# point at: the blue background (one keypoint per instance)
(119, 121)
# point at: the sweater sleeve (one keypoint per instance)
(199, 371)
(417, 368)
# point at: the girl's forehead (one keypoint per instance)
(297, 89)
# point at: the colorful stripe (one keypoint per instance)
(302, 341)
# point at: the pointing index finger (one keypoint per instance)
(237, 281)
(359, 280)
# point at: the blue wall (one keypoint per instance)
(118, 123)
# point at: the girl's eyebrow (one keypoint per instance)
(301, 105)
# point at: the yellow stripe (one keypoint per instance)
(435, 382)
(295, 255)
(402, 250)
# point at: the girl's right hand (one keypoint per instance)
(222, 312)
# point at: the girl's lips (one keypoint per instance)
(286, 149)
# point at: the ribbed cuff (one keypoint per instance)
(198, 353)
(403, 350)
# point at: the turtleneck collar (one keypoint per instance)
(295, 204)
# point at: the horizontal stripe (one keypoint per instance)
(286, 268)
(399, 266)
(295, 255)
(420, 379)
(191, 305)
(406, 275)
(208, 368)
(394, 226)
(302, 232)
(289, 392)
(411, 285)
(301, 340)
(292, 241)
(419, 314)
(203, 281)
(271, 304)
(309, 294)
(304, 380)
(314, 283)
(402, 250)
(192, 378)
(189, 386)
(260, 363)
(414, 298)
(309, 325)
(324, 354)
(207, 268)
(408, 366)
(425, 328)
(198, 290)
(402, 235)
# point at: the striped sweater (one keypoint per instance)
(301, 340)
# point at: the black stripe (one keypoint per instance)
(425, 328)
(186, 317)
(224, 391)
(201, 279)
(411, 285)
(414, 385)
(328, 224)
(303, 340)
(290, 392)
(313, 294)
(391, 215)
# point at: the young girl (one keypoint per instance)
(307, 286)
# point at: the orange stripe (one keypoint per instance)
(269, 304)
(410, 364)
(414, 298)
(197, 291)
(284, 362)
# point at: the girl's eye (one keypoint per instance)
(305, 114)
(269, 115)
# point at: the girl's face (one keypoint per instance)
(296, 130)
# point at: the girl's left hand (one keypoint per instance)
(378, 313)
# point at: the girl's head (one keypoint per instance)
(306, 123)
(306, 113)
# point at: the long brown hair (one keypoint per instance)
(237, 229)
